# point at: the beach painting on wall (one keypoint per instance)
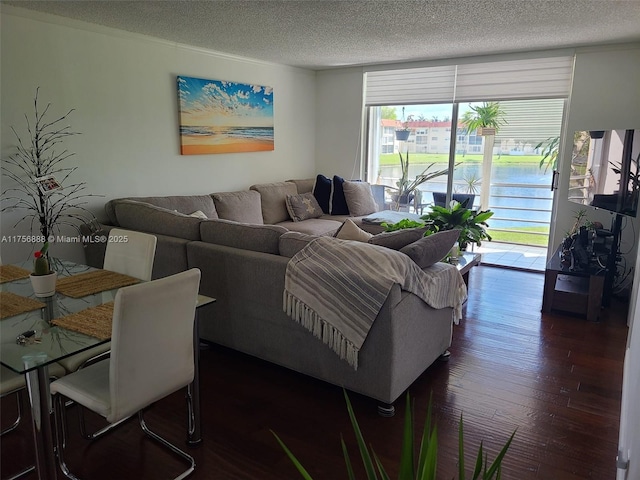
(217, 116)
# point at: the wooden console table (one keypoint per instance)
(573, 291)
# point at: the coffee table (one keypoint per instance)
(467, 260)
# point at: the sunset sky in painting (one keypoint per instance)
(222, 103)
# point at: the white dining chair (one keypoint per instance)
(12, 383)
(152, 356)
(130, 253)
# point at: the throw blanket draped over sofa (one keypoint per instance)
(336, 288)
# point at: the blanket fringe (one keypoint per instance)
(310, 320)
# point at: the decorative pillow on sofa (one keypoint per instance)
(272, 198)
(350, 231)
(243, 206)
(303, 206)
(338, 202)
(359, 198)
(429, 250)
(398, 239)
(322, 192)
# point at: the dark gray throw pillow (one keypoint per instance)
(429, 250)
(397, 239)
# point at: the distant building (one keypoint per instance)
(529, 122)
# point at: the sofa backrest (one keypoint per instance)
(185, 204)
(273, 199)
(258, 238)
(146, 217)
(304, 185)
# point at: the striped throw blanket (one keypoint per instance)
(336, 288)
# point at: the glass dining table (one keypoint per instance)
(30, 342)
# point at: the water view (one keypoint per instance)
(520, 196)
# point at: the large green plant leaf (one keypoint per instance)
(426, 467)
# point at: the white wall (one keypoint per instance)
(123, 87)
(605, 96)
(339, 110)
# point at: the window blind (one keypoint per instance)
(514, 79)
(410, 86)
(504, 80)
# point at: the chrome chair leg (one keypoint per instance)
(188, 458)
(19, 417)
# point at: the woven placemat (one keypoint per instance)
(12, 304)
(83, 284)
(9, 273)
(94, 321)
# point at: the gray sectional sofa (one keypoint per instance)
(242, 248)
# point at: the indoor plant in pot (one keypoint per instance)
(472, 225)
(486, 118)
(405, 188)
(402, 134)
(43, 279)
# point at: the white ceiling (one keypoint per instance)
(322, 34)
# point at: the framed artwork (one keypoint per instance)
(217, 116)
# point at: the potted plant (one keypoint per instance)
(31, 172)
(486, 118)
(472, 225)
(417, 460)
(402, 134)
(43, 279)
(405, 188)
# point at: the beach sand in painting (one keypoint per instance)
(197, 145)
(255, 146)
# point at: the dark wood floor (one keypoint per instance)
(556, 379)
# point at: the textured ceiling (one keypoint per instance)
(321, 34)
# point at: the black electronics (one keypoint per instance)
(604, 171)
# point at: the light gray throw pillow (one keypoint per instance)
(429, 250)
(359, 198)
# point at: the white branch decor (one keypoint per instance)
(35, 159)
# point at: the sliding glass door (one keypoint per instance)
(509, 173)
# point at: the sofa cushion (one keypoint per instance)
(273, 197)
(303, 206)
(322, 192)
(398, 239)
(304, 185)
(255, 237)
(338, 202)
(313, 226)
(431, 249)
(243, 206)
(291, 243)
(359, 198)
(186, 204)
(145, 217)
(350, 231)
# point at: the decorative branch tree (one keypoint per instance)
(36, 159)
